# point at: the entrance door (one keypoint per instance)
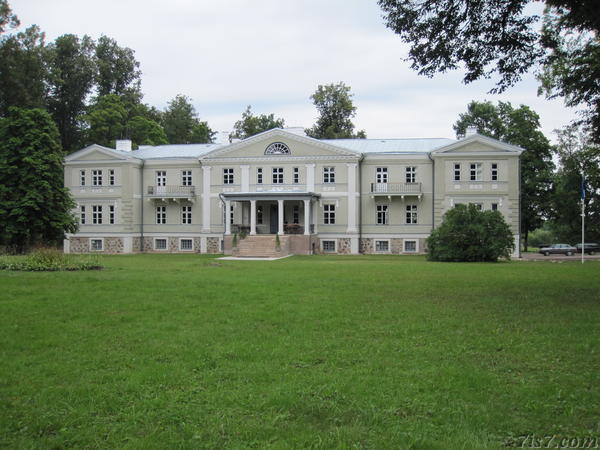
(274, 220)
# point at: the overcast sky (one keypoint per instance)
(272, 54)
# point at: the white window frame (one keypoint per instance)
(277, 175)
(329, 174)
(329, 214)
(412, 214)
(82, 177)
(228, 175)
(494, 172)
(161, 215)
(97, 214)
(259, 175)
(161, 177)
(111, 177)
(186, 178)
(82, 214)
(406, 241)
(382, 214)
(323, 241)
(296, 175)
(97, 177)
(381, 175)
(387, 241)
(156, 239)
(411, 174)
(475, 171)
(494, 206)
(101, 249)
(111, 214)
(181, 249)
(457, 173)
(186, 215)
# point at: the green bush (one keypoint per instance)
(48, 260)
(468, 234)
(541, 236)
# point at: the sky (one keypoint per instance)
(272, 54)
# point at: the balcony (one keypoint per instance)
(396, 189)
(172, 192)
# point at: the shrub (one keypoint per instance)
(48, 260)
(468, 234)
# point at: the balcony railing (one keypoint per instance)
(396, 188)
(171, 191)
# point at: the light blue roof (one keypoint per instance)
(173, 151)
(416, 145)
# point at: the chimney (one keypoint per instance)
(471, 130)
(123, 144)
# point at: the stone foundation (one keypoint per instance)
(213, 245)
(343, 246)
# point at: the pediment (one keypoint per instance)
(280, 144)
(97, 152)
(478, 144)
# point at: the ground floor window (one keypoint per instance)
(82, 214)
(186, 215)
(329, 214)
(296, 214)
(160, 244)
(410, 246)
(411, 214)
(97, 214)
(382, 215)
(111, 214)
(328, 246)
(382, 246)
(494, 206)
(97, 245)
(161, 215)
(186, 244)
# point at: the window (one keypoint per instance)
(410, 246)
(277, 148)
(456, 172)
(494, 206)
(475, 171)
(160, 244)
(479, 206)
(259, 178)
(328, 246)
(296, 214)
(381, 175)
(186, 177)
(111, 177)
(259, 214)
(111, 214)
(277, 175)
(97, 214)
(411, 213)
(82, 177)
(96, 178)
(382, 214)
(411, 174)
(96, 245)
(186, 215)
(228, 176)
(82, 214)
(161, 215)
(494, 172)
(382, 246)
(161, 178)
(296, 173)
(328, 174)
(329, 214)
(186, 244)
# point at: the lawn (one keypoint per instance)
(186, 351)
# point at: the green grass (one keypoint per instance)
(185, 351)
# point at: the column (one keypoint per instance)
(315, 215)
(280, 216)
(306, 217)
(227, 217)
(252, 216)
(205, 199)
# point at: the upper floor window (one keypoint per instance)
(186, 177)
(97, 214)
(111, 177)
(161, 178)
(82, 177)
(186, 215)
(328, 174)
(382, 214)
(296, 174)
(329, 214)
(277, 175)
(475, 171)
(381, 175)
(494, 172)
(411, 174)
(277, 148)
(228, 176)
(494, 206)
(411, 213)
(259, 176)
(456, 172)
(96, 178)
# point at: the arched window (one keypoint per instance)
(277, 148)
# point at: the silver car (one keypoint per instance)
(554, 249)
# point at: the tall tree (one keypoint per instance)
(249, 125)
(500, 38)
(118, 70)
(334, 103)
(7, 18)
(71, 77)
(35, 207)
(182, 125)
(521, 127)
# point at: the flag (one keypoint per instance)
(582, 186)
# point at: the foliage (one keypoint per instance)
(71, 72)
(541, 236)
(499, 38)
(468, 234)
(7, 17)
(35, 207)
(576, 153)
(336, 110)
(277, 242)
(249, 125)
(118, 70)
(181, 124)
(518, 126)
(144, 131)
(234, 241)
(49, 260)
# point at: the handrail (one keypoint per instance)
(396, 188)
(171, 190)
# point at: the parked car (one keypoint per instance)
(590, 248)
(555, 249)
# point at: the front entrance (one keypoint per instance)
(273, 220)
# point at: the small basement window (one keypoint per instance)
(96, 245)
(410, 246)
(160, 244)
(382, 246)
(328, 246)
(186, 244)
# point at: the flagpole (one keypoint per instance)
(582, 217)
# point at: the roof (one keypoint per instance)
(172, 151)
(416, 145)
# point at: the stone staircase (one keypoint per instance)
(262, 246)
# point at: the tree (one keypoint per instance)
(182, 125)
(576, 153)
(250, 124)
(499, 38)
(334, 103)
(518, 126)
(118, 70)
(144, 131)
(35, 207)
(468, 234)
(72, 71)
(7, 18)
